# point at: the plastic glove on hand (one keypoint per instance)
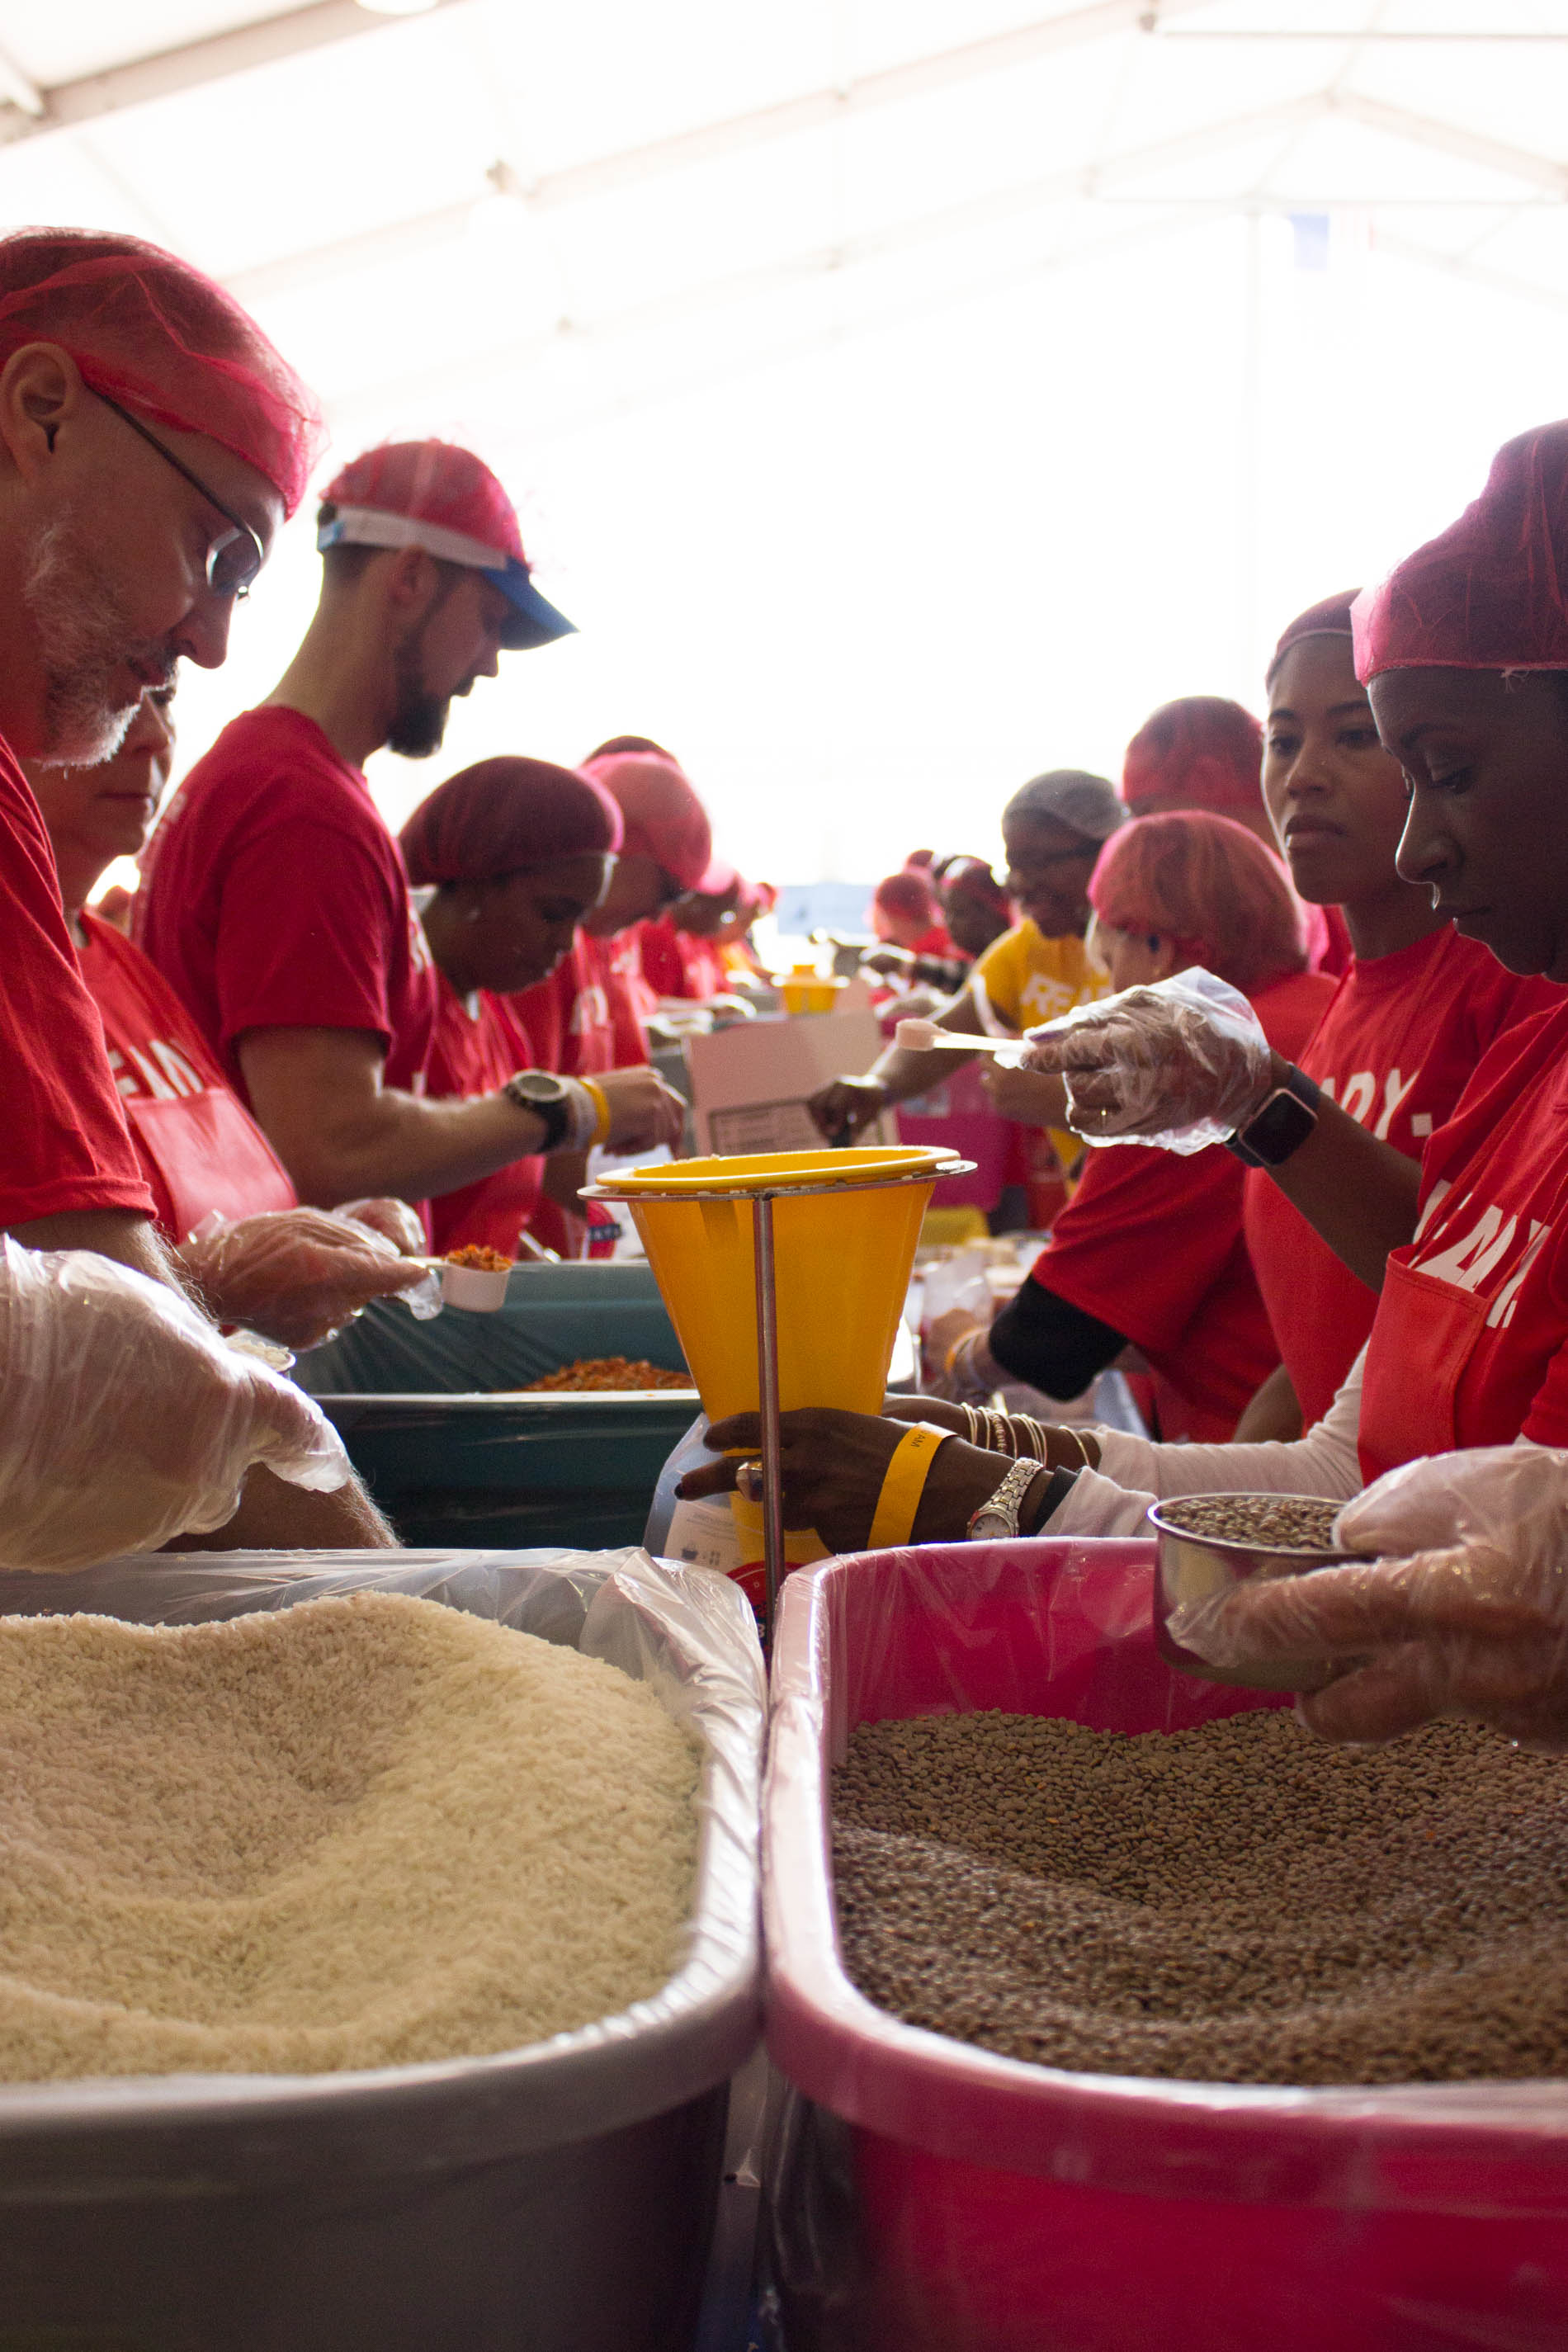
(127, 1420)
(296, 1276)
(395, 1221)
(1181, 1064)
(1472, 1621)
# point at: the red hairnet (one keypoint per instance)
(1330, 618)
(908, 895)
(1491, 592)
(1202, 752)
(1209, 886)
(661, 816)
(147, 330)
(971, 877)
(501, 816)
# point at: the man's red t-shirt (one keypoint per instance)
(1151, 1243)
(1470, 1343)
(200, 1148)
(275, 897)
(480, 1042)
(1396, 1047)
(65, 1146)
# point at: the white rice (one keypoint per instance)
(361, 1832)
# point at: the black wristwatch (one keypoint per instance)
(1281, 1125)
(551, 1101)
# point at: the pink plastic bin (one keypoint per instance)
(1009, 2208)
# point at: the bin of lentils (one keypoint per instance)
(1238, 1903)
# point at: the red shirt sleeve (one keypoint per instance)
(65, 1144)
(304, 935)
(1145, 1236)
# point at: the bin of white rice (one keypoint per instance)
(371, 1972)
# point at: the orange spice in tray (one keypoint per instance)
(608, 1372)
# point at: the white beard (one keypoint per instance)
(85, 637)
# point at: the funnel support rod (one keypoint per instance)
(768, 1399)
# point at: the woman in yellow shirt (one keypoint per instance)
(1054, 829)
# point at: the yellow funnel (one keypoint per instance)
(842, 1260)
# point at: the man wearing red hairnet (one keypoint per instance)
(152, 442)
(276, 902)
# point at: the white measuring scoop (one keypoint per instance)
(928, 1037)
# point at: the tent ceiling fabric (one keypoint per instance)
(523, 180)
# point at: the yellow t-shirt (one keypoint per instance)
(1031, 979)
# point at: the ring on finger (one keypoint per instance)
(749, 1480)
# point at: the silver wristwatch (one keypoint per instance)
(996, 1521)
(567, 1110)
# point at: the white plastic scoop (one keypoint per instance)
(927, 1037)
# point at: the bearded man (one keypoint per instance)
(275, 900)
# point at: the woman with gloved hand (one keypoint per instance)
(1465, 650)
(223, 1202)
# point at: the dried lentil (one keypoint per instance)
(1237, 1903)
(1270, 1522)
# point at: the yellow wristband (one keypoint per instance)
(903, 1484)
(601, 1102)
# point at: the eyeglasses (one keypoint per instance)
(233, 558)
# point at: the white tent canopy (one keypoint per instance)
(902, 395)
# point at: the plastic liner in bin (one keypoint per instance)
(553, 1316)
(925, 2193)
(552, 2199)
(453, 1466)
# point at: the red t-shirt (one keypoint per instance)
(275, 897)
(1151, 1243)
(581, 1019)
(480, 1042)
(1398, 1046)
(1467, 1343)
(65, 1146)
(200, 1148)
(675, 963)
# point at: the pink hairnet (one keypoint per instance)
(1206, 883)
(501, 816)
(661, 816)
(147, 330)
(1491, 592)
(1201, 752)
(1329, 618)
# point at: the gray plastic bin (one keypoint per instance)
(553, 2198)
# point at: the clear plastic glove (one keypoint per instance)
(296, 1276)
(395, 1221)
(1182, 1063)
(1470, 1617)
(124, 1419)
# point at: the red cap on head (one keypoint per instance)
(971, 877)
(433, 495)
(662, 816)
(502, 816)
(908, 895)
(1491, 591)
(147, 330)
(1201, 751)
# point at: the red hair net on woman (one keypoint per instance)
(1210, 886)
(1202, 752)
(1491, 591)
(908, 895)
(149, 331)
(661, 816)
(1329, 618)
(501, 816)
(971, 877)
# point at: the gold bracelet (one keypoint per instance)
(903, 1482)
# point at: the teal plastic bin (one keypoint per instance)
(452, 1463)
